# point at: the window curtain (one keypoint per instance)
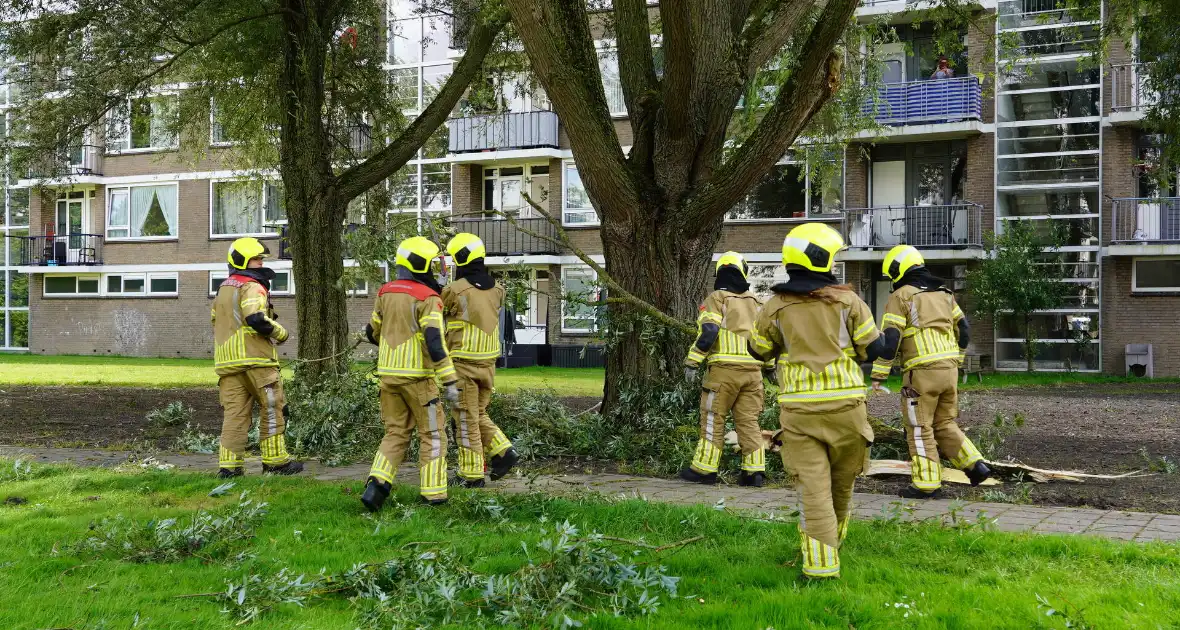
(141, 204)
(235, 209)
(163, 112)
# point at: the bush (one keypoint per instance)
(336, 418)
(195, 441)
(173, 414)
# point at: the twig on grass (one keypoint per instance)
(686, 541)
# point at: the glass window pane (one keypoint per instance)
(1157, 274)
(436, 37)
(1081, 103)
(281, 282)
(153, 211)
(1052, 169)
(163, 285)
(215, 283)
(132, 284)
(18, 289)
(114, 284)
(433, 78)
(88, 285)
(782, 193)
(19, 322)
(436, 187)
(236, 208)
(608, 65)
(577, 203)
(405, 41)
(404, 88)
(18, 206)
(60, 284)
(276, 206)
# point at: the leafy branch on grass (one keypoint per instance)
(205, 534)
(567, 576)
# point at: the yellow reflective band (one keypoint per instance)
(892, 319)
(881, 369)
(925, 473)
(694, 356)
(843, 528)
(707, 457)
(709, 316)
(274, 450)
(819, 560)
(833, 394)
(382, 470)
(754, 462)
(433, 478)
(968, 455)
(376, 318)
(445, 372)
(431, 320)
(864, 330)
(229, 459)
(500, 443)
(470, 463)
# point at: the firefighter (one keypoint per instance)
(407, 326)
(472, 305)
(924, 322)
(820, 331)
(246, 334)
(733, 381)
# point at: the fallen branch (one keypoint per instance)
(636, 543)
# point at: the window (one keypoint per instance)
(576, 208)
(143, 123)
(608, 66)
(578, 287)
(793, 190)
(244, 207)
(280, 285)
(142, 212)
(1155, 275)
(504, 190)
(71, 285)
(139, 284)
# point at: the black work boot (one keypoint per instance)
(754, 479)
(290, 468)
(978, 473)
(375, 494)
(688, 473)
(910, 492)
(228, 473)
(502, 463)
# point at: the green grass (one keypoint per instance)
(49, 370)
(743, 575)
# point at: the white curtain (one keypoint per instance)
(141, 204)
(235, 208)
(163, 113)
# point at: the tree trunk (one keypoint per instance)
(1029, 344)
(321, 308)
(671, 271)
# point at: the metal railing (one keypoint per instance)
(82, 159)
(1145, 220)
(520, 130)
(1128, 88)
(927, 101)
(945, 226)
(360, 138)
(60, 250)
(502, 238)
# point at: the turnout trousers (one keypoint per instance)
(405, 407)
(928, 412)
(478, 437)
(726, 389)
(238, 393)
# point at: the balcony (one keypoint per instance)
(1129, 95)
(61, 250)
(499, 132)
(948, 227)
(502, 238)
(927, 102)
(1145, 225)
(79, 161)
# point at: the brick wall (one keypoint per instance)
(1118, 172)
(1129, 318)
(163, 327)
(980, 184)
(466, 189)
(981, 48)
(856, 177)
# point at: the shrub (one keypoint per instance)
(173, 414)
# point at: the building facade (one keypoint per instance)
(123, 253)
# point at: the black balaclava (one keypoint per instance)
(426, 278)
(261, 274)
(801, 280)
(730, 278)
(476, 272)
(920, 278)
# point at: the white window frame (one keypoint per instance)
(788, 160)
(125, 131)
(75, 294)
(526, 179)
(267, 186)
(147, 278)
(107, 219)
(565, 199)
(222, 275)
(582, 269)
(213, 125)
(1136, 289)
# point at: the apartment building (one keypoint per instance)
(123, 255)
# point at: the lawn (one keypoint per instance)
(31, 369)
(743, 574)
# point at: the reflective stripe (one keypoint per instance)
(755, 461)
(925, 473)
(819, 560)
(709, 316)
(274, 450)
(432, 478)
(707, 457)
(381, 469)
(432, 424)
(229, 459)
(470, 463)
(834, 394)
(865, 330)
(892, 319)
(474, 343)
(709, 416)
(968, 455)
(881, 369)
(500, 443)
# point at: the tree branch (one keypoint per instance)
(771, 26)
(637, 71)
(813, 80)
(357, 179)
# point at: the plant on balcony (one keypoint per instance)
(286, 80)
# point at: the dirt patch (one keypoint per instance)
(1097, 429)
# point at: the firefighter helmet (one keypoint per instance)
(243, 250)
(465, 248)
(735, 259)
(901, 259)
(812, 246)
(416, 253)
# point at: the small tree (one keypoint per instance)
(154, 224)
(1022, 276)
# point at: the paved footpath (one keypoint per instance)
(1139, 526)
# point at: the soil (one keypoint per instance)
(1106, 429)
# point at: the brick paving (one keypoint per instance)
(1113, 524)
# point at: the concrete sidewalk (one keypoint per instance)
(1138, 526)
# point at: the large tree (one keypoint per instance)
(298, 84)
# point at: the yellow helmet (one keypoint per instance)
(465, 248)
(243, 250)
(812, 246)
(735, 259)
(416, 253)
(901, 259)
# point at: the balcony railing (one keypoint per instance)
(1146, 220)
(521, 130)
(1128, 88)
(927, 101)
(502, 238)
(62, 250)
(946, 226)
(82, 159)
